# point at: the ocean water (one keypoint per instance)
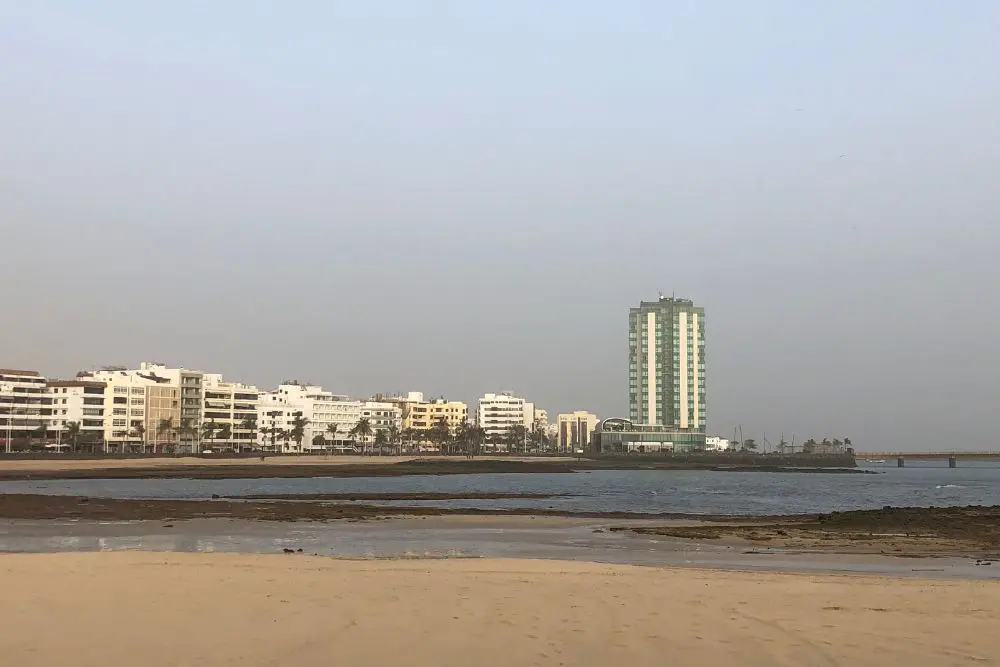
(923, 483)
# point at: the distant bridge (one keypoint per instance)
(927, 455)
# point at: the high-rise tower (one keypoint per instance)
(667, 363)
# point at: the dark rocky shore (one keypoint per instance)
(429, 466)
(896, 531)
(31, 506)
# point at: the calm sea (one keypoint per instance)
(924, 483)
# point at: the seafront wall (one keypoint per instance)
(739, 459)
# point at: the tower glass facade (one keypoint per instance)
(667, 364)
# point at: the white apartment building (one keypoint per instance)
(81, 402)
(497, 413)
(575, 431)
(381, 415)
(277, 410)
(714, 443)
(229, 414)
(540, 419)
(22, 397)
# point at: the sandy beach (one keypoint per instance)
(118, 609)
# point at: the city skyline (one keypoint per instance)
(125, 409)
(467, 196)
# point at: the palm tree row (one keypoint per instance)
(466, 438)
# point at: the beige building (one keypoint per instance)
(229, 414)
(140, 410)
(575, 431)
(422, 415)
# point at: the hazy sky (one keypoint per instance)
(460, 197)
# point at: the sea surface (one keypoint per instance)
(920, 483)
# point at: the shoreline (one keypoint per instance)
(353, 466)
(972, 532)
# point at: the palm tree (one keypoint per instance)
(225, 433)
(271, 431)
(286, 435)
(208, 431)
(539, 438)
(515, 437)
(40, 432)
(440, 434)
(298, 430)
(381, 439)
(331, 428)
(73, 434)
(395, 439)
(363, 429)
(188, 429)
(249, 423)
(165, 429)
(140, 433)
(407, 435)
(462, 436)
(475, 436)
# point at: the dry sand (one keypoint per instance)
(125, 609)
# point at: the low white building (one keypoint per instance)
(714, 443)
(277, 410)
(497, 413)
(81, 402)
(539, 419)
(22, 395)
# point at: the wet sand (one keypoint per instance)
(428, 495)
(152, 609)
(972, 532)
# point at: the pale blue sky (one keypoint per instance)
(463, 197)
